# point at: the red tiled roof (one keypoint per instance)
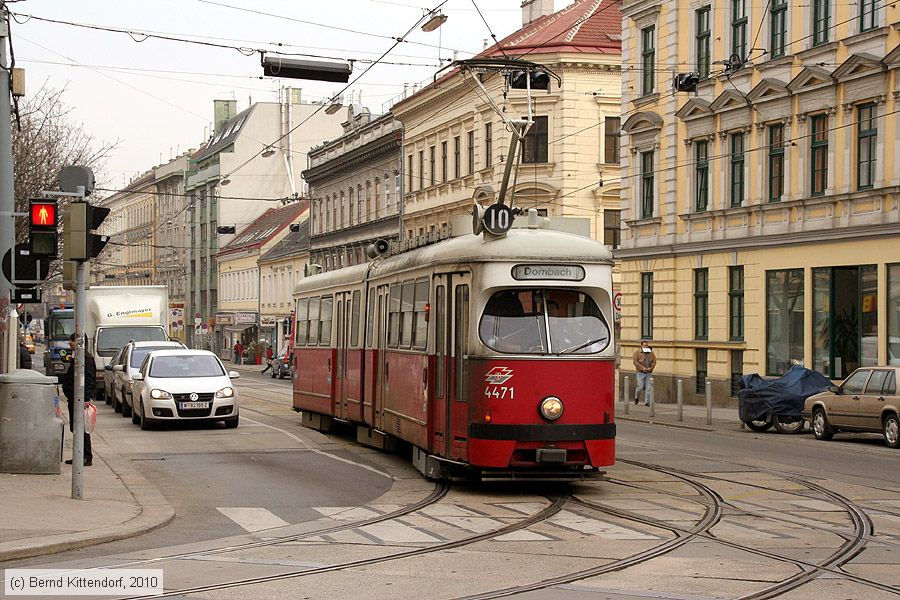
(265, 227)
(583, 26)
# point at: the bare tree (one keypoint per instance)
(44, 140)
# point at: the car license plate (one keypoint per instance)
(187, 405)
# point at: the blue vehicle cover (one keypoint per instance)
(758, 398)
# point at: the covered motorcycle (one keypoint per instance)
(763, 403)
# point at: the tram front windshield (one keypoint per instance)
(543, 321)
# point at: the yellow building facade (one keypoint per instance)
(761, 197)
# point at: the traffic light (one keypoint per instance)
(519, 80)
(79, 220)
(42, 229)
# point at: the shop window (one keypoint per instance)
(784, 320)
(701, 360)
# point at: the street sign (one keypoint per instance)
(498, 219)
(28, 268)
(25, 318)
(26, 295)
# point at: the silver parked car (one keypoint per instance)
(866, 401)
(184, 385)
(126, 364)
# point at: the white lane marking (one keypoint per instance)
(252, 519)
(387, 531)
(455, 516)
(576, 522)
(305, 446)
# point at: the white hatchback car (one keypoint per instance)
(184, 385)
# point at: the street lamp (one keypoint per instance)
(437, 19)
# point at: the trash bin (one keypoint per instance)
(30, 431)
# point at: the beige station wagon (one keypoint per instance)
(867, 401)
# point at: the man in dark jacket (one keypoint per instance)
(24, 356)
(68, 386)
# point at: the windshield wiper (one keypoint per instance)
(578, 347)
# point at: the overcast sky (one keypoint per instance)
(155, 96)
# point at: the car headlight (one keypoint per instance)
(158, 394)
(551, 408)
(225, 393)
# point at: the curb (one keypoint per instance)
(155, 512)
(665, 423)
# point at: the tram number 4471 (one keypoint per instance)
(500, 392)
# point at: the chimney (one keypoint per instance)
(223, 110)
(535, 9)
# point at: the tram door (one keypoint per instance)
(458, 306)
(381, 316)
(341, 302)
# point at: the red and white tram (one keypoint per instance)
(487, 355)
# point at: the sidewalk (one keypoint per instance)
(40, 517)
(693, 416)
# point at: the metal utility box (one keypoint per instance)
(30, 430)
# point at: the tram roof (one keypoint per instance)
(519, 244)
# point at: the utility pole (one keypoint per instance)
(7, 195)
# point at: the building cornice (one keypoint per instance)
(345, 163)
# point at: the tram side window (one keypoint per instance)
(354, 320)
(406, 314)
(302, 325)
(394, 316)
(313, 322)
(325, 321)
(420, 328)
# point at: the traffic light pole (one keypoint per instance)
(78, 401)
(7, 196)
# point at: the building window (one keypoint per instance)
(612, 227)
(867, 138)
(647, 306)
(612, 130)
(421, 169)
(784, 320)
(736, 304)
(701, 173)
(409, 170)
(821, 21)
(646, 185)
(778, 28)
(701, 358)
(737, 370)
(470, 156)
(702, 42)
(868, 14)
(819, 155)
(648, 60)
(776, 162)
(893, 311)
(534, 146)
(456, 160)
(488, 144)
(701, 304)
(737, 169)
(739, 28)
(431, 165)
(444, 161)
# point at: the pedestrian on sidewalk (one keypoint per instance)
(238, 352)
(24, 355)
(269, 356)
(644, 362)
(68, 386)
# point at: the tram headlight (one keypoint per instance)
(551, 408)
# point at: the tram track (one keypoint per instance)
(553, 508)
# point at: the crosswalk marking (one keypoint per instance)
(609, 531)
(252, 519)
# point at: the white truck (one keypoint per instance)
(118, 314)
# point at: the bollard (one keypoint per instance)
(679, 398)
(625, 395)
(650, 397)
(708, 402)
